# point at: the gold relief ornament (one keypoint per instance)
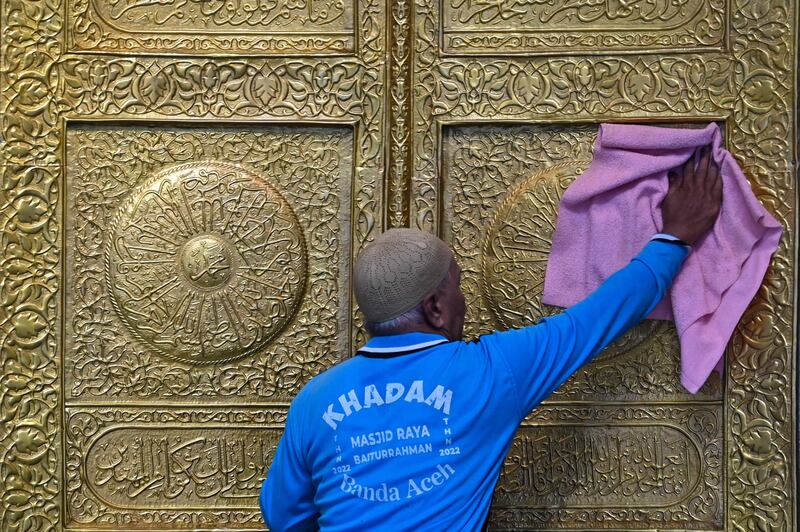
(206, 26)
(515, 253)
(206, 262)
(519, 26)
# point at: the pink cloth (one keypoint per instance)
(610, 212)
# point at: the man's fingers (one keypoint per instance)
(713, 176)
(687, 174)
(716, 187)
(674, 178)
(702, 167)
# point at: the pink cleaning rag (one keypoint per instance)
(612, 210)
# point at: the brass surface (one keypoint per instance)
(281, 299)
(626, 463)
(128, 467)
(128, 127)
(205, 262)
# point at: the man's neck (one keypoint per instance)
(418, 328)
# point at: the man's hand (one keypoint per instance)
(694, 198)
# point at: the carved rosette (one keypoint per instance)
(516, 249)
(206, 262)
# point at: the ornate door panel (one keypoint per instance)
(185, 184)
(505, 104)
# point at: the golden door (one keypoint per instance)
(185, 184)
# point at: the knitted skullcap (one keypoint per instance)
(397, 271)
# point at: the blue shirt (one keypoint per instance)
(412, 433)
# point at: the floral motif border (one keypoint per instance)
(399, 112)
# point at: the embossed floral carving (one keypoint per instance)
(197, 88)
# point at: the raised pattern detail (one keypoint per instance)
(245, 221)
(751, 84)
(205, 262)
(41, 86)
(175, 468)
(535, 26)
(203, 26)
(573, 466)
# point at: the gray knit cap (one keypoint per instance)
(397, 271)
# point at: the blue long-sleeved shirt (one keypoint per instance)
(411, 433)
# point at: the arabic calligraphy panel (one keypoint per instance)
(207, 26)
(532, 26)
(655, 467)
(179, 468)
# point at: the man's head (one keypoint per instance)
(407, 281)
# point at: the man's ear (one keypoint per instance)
(432, 309)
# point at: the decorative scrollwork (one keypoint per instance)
(399, 169)
(224, 89)
(30, 389)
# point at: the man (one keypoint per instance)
(411, 433)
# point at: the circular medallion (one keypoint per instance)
(206, 262)
(516, 250)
